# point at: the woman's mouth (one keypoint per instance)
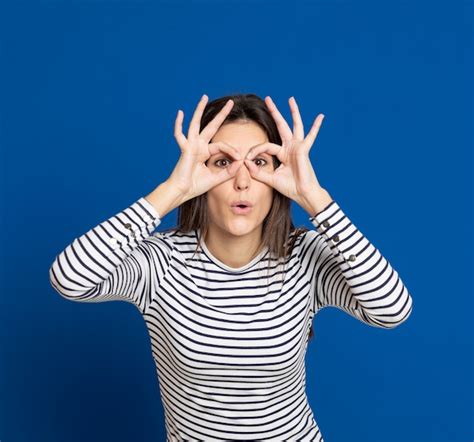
(241, 209)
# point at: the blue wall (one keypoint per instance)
(89, 94)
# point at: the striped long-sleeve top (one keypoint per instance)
(228, 343)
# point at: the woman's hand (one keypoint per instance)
(190, 175)
(295, 177)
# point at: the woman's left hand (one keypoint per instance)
(295, 177)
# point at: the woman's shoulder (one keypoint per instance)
(176, 238)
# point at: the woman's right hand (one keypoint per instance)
(190, 175)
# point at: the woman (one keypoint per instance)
(229, 296)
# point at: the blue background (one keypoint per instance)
(89, 95)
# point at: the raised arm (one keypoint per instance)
(119, 259)
(346, 271)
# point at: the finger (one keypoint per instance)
(283, 128)
(298, 128)
(270, 148)
(196, 120)
(210, 130)
(220, 146)
(258, 173)
(178, 129)
(312, 134)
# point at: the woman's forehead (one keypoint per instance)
(245, 149)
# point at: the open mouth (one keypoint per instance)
(241, 209)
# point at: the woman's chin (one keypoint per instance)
(241, 227)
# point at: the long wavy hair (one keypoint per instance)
(278, 231)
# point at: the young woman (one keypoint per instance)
(229, 296)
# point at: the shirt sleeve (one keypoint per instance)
(118, 260)
(349, 273)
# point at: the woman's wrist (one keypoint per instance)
(165, 198)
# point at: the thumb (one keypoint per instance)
(258, 173)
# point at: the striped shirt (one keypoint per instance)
(228, 343)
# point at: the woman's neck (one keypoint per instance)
(233, 251)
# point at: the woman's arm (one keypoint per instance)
(119, 259)
(349, 273)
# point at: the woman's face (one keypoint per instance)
(243, 136)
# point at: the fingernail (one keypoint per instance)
(204, 96)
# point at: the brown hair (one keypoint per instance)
(278, 226)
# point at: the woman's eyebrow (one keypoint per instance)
(251, 147)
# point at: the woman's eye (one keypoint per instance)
(261, 159)
(222, 159)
